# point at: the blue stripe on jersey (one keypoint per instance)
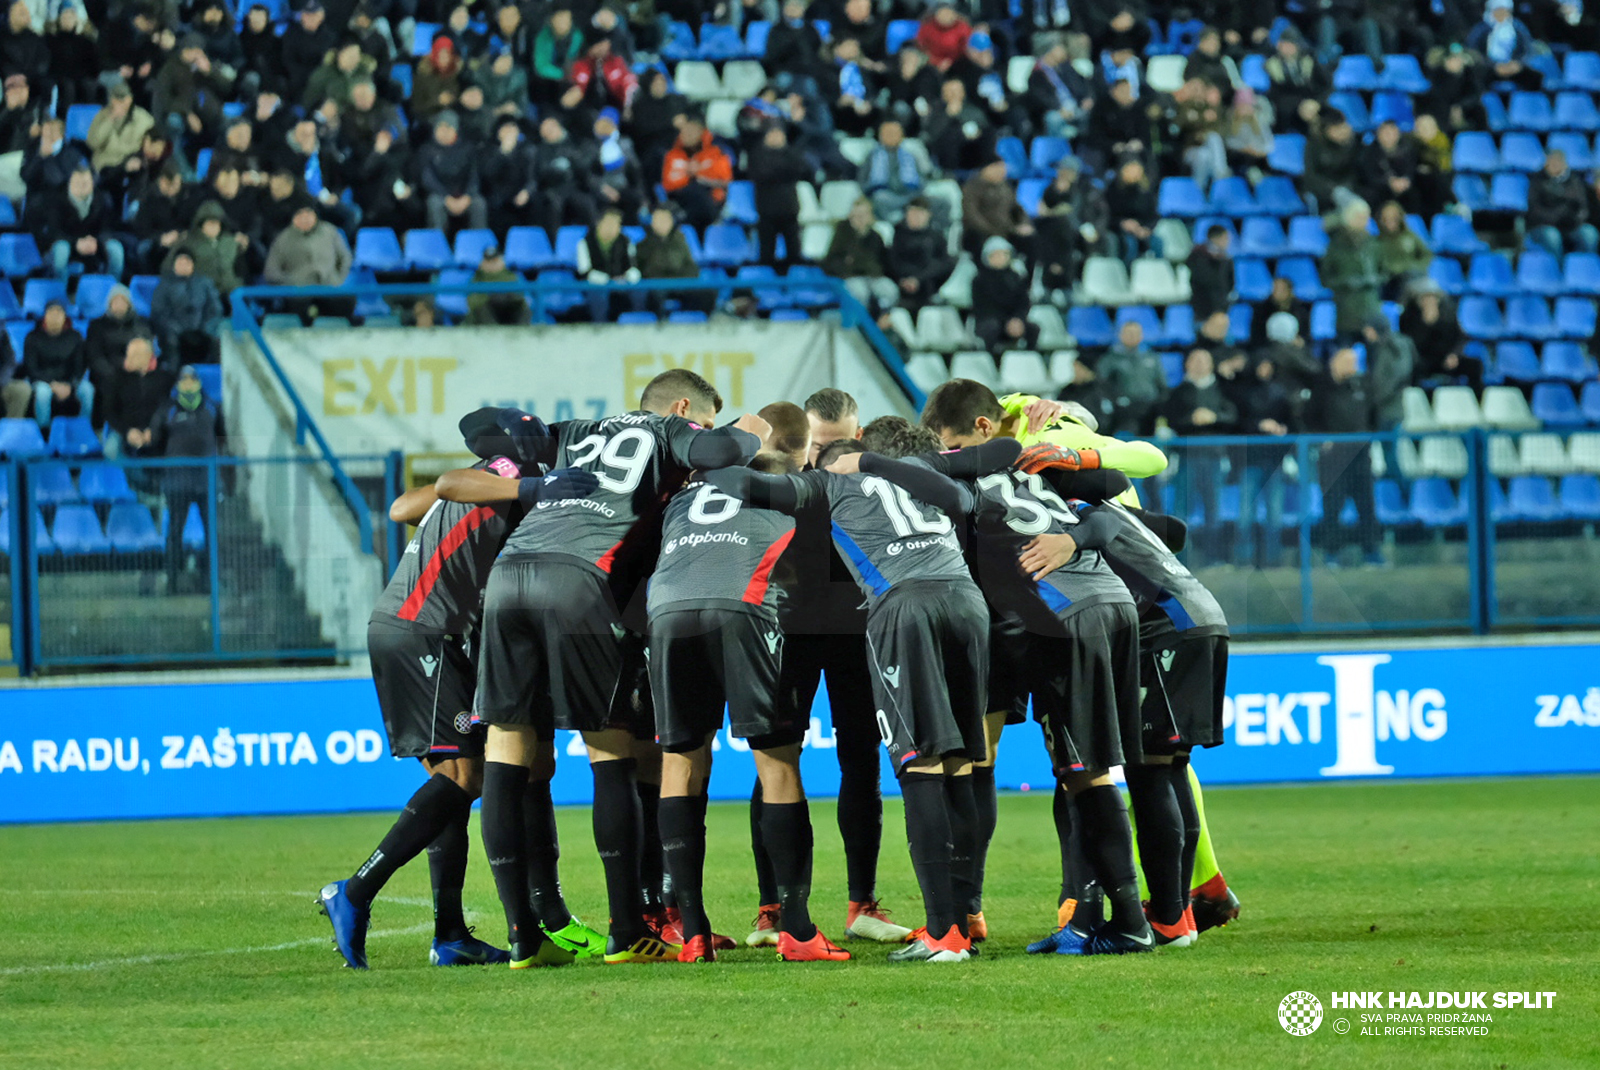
(1053, 597)
(869, 572)
(1176, 613)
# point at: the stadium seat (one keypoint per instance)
(1581, 273)
(1403, 74)
(1324, 318)
(1176, 241)
(1531, 499)
(1521, 152)
(727, 245)
(1261, 236)
(1446, 271)
(1090, 326)
(942, 329)
(1575, 111)
(339, 323)
(1105, 280)
(1490, 274)
(686, 317)
(77, 531)
(1164, 74)
(719, 42)
(899, 33)
(1391, 504)
(1202, 227)
(1253, 72)
(1045, 152)
(1503, 457)
(1288, 155)
(1582, 71)
(19, 256)
(1538, 272)
(1276, 195)
(1505, 407)
(1063, 366)
(1454, 235)
(1529, 317)
(1566, 361)
(1435, 505)
(427, 250)
(1251, 279)
(1015, 154)
(1575, 318)
(927, 370)
(404, 76)
(453, 306)
(1177, 326)
(697, 80)
(1172, 368)
(858, 149)
(1307, 236)
(51, 484)
(1583, 451)
(815, 238)
(92, 294)
(1179, 196)
(1392, 107)
(976, 365)
(1442, 455)
(1052, 329)
(1456, 408)
(1302, 272)
(131, 529)
(957, 289)
(795, 315)
(1355, 72)
(680, 44)
(42, 542)
(1232, 196)
(1554, 406)
(565, 253)
(1580, 497)
(1543, 454)
(1528, 111)
(1354, 108)
(1516, 361)
(72, 436)
(1475, 151)
(837, 198)
(1155, 282)
(1480, 318)
(21, 438)
(637, 319)
(1471, 192)
(1416, 410)
(722, 118)
(103, 482)
(1580, 156)
(740, 207)
(38, 293)
(1508, 193)
(1145, 317)
(470, 244)
(1030, 191)
(379, 249)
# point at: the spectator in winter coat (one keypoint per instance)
(263, 67)
(1350, 269)
(504, 84)
(1131, 205)
(164, 214)
(1208, 64)
(564, 177)
(107, 341)
(665, 254)
(506, 309)
(189, 91)
(187, 312)
(1342, 402)
(338, 74)
(1058, 97)
(919, 259)
(185, 425)
(213, 248)
(506, 175)
(437, 80)
(606, 255)
(53, 370)
(305, 45)
(118, 129)
(447, 170)
(555, 49)
(603, 77)
(1389, 168)
(696, 173)
(1132, 378)
(77, 223)
(793, 46)
(913, 88)
(1071, 224)
(1403, 256)
(1333, 162)
(654, 123)
(892, 174)
(1505, 42)
(1211, 273)
(1391, 367)
(989, 209)
(74, 59)
(1000, 301)
(136, 392)
(1198, 407)
(1431, 324)
(857, 255)
(1558, 209)
(309, 252)
(1264, 409)
(943, 35)
(618, 177)
(957, 133)
(1297, 82)
(1281, 299)
(776, 168)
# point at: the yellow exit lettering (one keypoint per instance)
(390, 386)
(725, 371)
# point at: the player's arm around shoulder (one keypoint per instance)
(413, 505)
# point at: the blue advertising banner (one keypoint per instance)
(276, 746)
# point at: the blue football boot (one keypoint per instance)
(350, 924)
(468, 952)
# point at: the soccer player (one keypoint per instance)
(715, 643)
(1078, 631)
(551, 656)
(421, 638)
(927, 632)
(824, 627)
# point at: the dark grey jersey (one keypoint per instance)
(717, 553)
(639, 459)
(438, 584)
(1171, 601)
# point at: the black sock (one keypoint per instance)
(787, 831)
(618, 838)
(505, 842)
(861, 823)
(652, 870)
(928, 830)
(766, 883)
(683, 849)
(1061, 810)
(544, 856)
(437, 804)
(1077, 878)
(958, 798)
(988, 803)
(447, 869)
(1108, 845)
(1183, 791)
(1160, 839)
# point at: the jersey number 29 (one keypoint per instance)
(624, 457)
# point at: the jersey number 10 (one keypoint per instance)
(905, 515)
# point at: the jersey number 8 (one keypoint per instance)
(625, 458)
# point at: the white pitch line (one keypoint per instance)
(398, 900)
(178, 956)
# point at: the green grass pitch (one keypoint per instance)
(195, 943)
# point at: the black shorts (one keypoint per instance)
(551, 655)
(1086, 688)
(705, 660)
(425, 682)
(1184, 688)
(929, 650)
(1008, 668)
(843, 657)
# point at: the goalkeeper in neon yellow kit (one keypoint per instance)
(965, 413)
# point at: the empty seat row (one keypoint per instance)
(1541, 112)
(1476, 151)
(1274, 196)
(1022, 371)
(129, 529)
(740, 80)
(1527, 316)
(1537, 272)
(1565, 361)
(1544, 453)
(70, 436)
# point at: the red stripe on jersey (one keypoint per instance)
(608, 559)
(756, 592)
(448, 545)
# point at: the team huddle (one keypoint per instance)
(640, 579)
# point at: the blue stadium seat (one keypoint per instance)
(72, 436)
(1494, 107)
(79, 118)
(1323, 319)
(1490, 274)
(1575, 111)
(1015, 154)
(93, 292)
(368, 305)
(1233, 197)
(404, 76)
(131, 529)
(1261, 236)
(9, 308)
(1353, 108)
(1582, 71)
(1521, 152)
(1045, 152)
(1288, 155)
(77, 531)
(42, 542)
(1575, 318)
(210, 376)
(527, 248)
(1302, 271)
(194, 528)
(1531, 498)
(1090, 325)
(719, 42)
(899, 32)
(1391, 504)
(378, 248)
(142, 288)
(1277, 196)
(692, 238)
(1183, 36)
(17, 331)
(1434, 503)
(1516, 361)
(740, 206)
(1145, 316)
(1177, 326)
(1455, 236)
(1307, 236)
(38, 293)
(1251, 279)
(1580, 273)
(1239, 318)
(1030, 191)
(19, 256)
(1580, 497)
(1355, 72)
(1403, 74)
(21, 438)
(1499, 507)
(566, 249)
(1590, 402)
(1480, 318)
(1471, 191)
(795, 315)
(682, 316)
(422, 37)
(1253, 72)
(1179, 196)
(1291, 504)
(1203, 225)
(561, 299)
(1475, 151)
(454, 306)
(470, 244)
(1566, 360)
(1538, 272)
(51, 484)
(1529, 111)
(427, 249)
(1172, 367)
(755, 38)
(1580, 157)
(637, 319)
(1529, 317)
(1392, 107)
(728, 245)
(5, 487)
(103, 482)
(1446, 271)
(680, 43)
(1554, 405)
